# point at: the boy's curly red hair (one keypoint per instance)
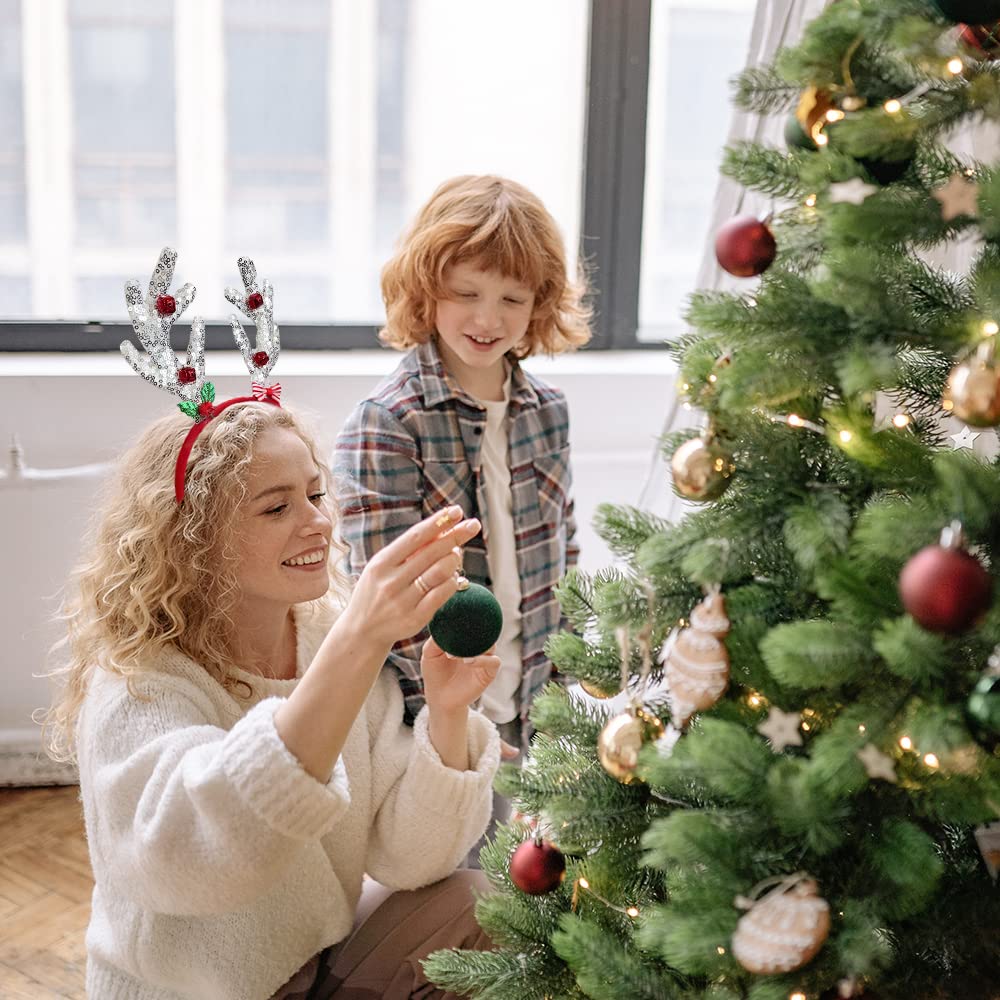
(503, 227)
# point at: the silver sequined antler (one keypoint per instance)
(153, 316)
(256, 302)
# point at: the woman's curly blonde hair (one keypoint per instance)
(503, 227)
(156, 573)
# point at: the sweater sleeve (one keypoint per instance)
(189, 818)
(427, 815)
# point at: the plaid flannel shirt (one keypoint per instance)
(413, 447)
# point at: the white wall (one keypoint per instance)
(70, 410)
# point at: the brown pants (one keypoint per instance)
(393, 931)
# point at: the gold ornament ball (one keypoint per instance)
(597, 692)
(973, 390)
(812, 110)
(701, 469)
(621, 740)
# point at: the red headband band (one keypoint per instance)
(208, 410)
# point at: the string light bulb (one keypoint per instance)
(794, 420)
(893, 106)
(835, 115)
(584, 884)
(821, 139)
(955, 66)
(901, 420)
(720, 950)
(991, 328)
(931, 760)
(811, 201)
(845, 436)
(906, 743)
(797, 995)
(632, 911)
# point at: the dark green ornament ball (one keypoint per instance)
(983, 712)
(796, 136)
(969, 11)
(468, 623)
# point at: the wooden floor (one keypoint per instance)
(45, 886)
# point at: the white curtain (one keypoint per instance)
(779, 23)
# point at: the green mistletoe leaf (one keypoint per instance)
(189, 409)
(208, 393)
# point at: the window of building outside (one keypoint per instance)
(696, 47)
(303, 133)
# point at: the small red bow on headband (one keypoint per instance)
(266, 393)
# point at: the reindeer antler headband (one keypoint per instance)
(154, 315)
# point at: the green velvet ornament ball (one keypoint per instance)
(983, 711)
(796, 136)
(969, 11)
(468, 623)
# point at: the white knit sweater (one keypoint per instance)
(221, 865)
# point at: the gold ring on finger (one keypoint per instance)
(422, 584)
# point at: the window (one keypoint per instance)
(124, 163)
(696, 47)
(307, 132)
(14, 280)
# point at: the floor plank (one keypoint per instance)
(45, 888)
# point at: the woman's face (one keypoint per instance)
(283, 529)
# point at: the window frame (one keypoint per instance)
(614, 158)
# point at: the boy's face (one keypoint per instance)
(283, 535)
(483, 316)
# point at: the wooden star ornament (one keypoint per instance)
(960, 196)
(782, 729)
(877, 764)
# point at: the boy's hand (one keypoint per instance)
(452, 684)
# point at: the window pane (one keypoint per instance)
(696, 47)
(124, 167)
(276, 125)
(12, 190)
(15, 294)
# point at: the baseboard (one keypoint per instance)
(23, 762)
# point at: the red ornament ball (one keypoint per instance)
(984, 39)
(206, 409)
(945, 589)
(537, 868)
(166, 305)
(745, 247)
(260, 359)
(254, 301)
(186, 375)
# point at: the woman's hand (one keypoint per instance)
(407, 581)
(452, 684)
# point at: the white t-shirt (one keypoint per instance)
(499, 701)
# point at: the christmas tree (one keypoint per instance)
(810, 810)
